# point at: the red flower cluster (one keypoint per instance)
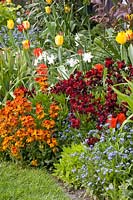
(92, 140)
(113, 121)
(87, 95)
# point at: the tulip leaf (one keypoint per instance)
(124, 55)
(124, 98)
(130, 53)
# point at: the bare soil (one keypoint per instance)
(79, 194)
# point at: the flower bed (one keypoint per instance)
(66, 93)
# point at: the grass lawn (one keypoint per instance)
(17, 183)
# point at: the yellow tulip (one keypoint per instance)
(26, 25)
(59, 40)
(49, 1)
(48, 9)
(121, 37)
(10, 24)
(8, 1)
(26, 44)
(129, 34)
(67, 9)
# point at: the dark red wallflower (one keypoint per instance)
(121, 64)
(92, 140)
(82, 90)
(109, 62)
(75, 123)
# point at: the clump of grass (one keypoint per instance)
(17, 183)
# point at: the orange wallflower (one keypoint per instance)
(14, 151)
(19, 92)
(48, 124)
(99, 67)
(53, 111)
(42, 81)
(42, 69)
(39, 111)
(18, 128)
(34, 163)
(27, 121)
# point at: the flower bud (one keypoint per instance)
(67, 9)
(8, 1)
(49, 1)
(59, 39)
(129, 17)
(10, 24)
(26, 44)
(121, 37)
(26, 25)
(129, 34)
(48, 9)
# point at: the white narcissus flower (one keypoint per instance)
(36, 62)
(51, 59)
(72, 62)
(87, 57)
(44, 55)
(18, 20)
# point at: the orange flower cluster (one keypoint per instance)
(54, 110)
(42, 77)
(19, 125)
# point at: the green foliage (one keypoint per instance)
(7, 12)
(127, 98)
(16, 69)
(69, 163)
(106, 43)
(130, 53)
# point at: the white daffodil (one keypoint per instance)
(18, 20)
(51, 59)
(36, 62)
(72, 62)
(87, 57)
(44, 55)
